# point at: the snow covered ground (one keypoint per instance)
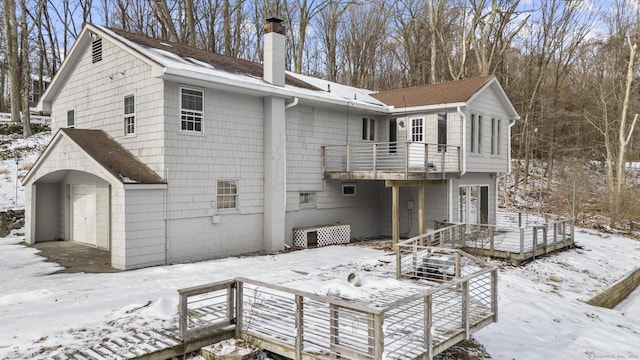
(28, 150)
(541, 309)
(541, 312)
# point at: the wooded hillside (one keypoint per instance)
(569, 67)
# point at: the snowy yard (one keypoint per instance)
(541, 314)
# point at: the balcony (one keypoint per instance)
(390, 161)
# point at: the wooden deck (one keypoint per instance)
(158, 344)
(419, 317)
(510, 240)
(391, 161)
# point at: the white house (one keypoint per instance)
(164, 153)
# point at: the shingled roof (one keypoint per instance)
(443, 93)
(221, 62)
(112, 156)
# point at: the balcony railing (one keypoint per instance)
(390, 160)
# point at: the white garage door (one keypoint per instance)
(83, 213)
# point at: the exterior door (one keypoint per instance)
(83, 213)
(474, 204)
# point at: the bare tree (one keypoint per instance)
(13, 57)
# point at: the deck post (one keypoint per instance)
(457, 266)
(348, 158)
(406, 160)
(521, 243)
(376, 336)
(334, 332)
(421, 209)
(395, 212)
(239, 298)
(299, 327)
(231, 300)
(535, 241)
(465, 308)
(494, 294)
(375, 158)
(398, 261)
(545, 233)
(428, 319)
(183, 316)
(491, 240)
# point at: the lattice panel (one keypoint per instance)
(326, 235)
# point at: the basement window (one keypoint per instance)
(348, 189)
(96, 50)
(307, 199)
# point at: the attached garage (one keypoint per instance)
(101, 196)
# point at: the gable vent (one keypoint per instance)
(96, 50)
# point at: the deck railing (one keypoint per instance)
(507, 240)
(206, 308)
(298, 324)
(396, 157)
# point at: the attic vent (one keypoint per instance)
(96, 50)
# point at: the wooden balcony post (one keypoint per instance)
(348, 158)
(395, 213)
(406, 160)
(375, 161)
(421, 209)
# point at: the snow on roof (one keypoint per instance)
(200, 64)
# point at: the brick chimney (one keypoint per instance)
(274, 43)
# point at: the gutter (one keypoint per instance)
(263, 89)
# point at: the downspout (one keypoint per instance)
(166, 218)
(463, 148)
(292, 103)
(511, 123)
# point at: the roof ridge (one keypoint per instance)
(450, 82)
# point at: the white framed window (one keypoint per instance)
(417, 129)
(71, 118)
(227, 195)
(307, 199)
(129, 115)
(191, 109)
(442, 132)
(348, 189)
(495, 136)
(476, 134)
(368, 129)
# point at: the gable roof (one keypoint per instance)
(459, 91)
(117, 161)
(199, 57)
(181, 63)
(112, 156)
